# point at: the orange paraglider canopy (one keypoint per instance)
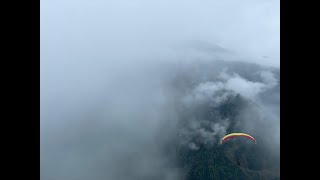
(232, 135)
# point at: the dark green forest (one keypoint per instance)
(219, 162)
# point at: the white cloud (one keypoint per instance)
(269, 78)
(246, 88)
(193, 146)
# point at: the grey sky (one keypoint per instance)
(103, 28)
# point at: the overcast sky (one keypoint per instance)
(250, 27)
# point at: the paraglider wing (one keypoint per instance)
(232, 135)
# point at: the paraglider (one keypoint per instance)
(232, 135)
(238, 162)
